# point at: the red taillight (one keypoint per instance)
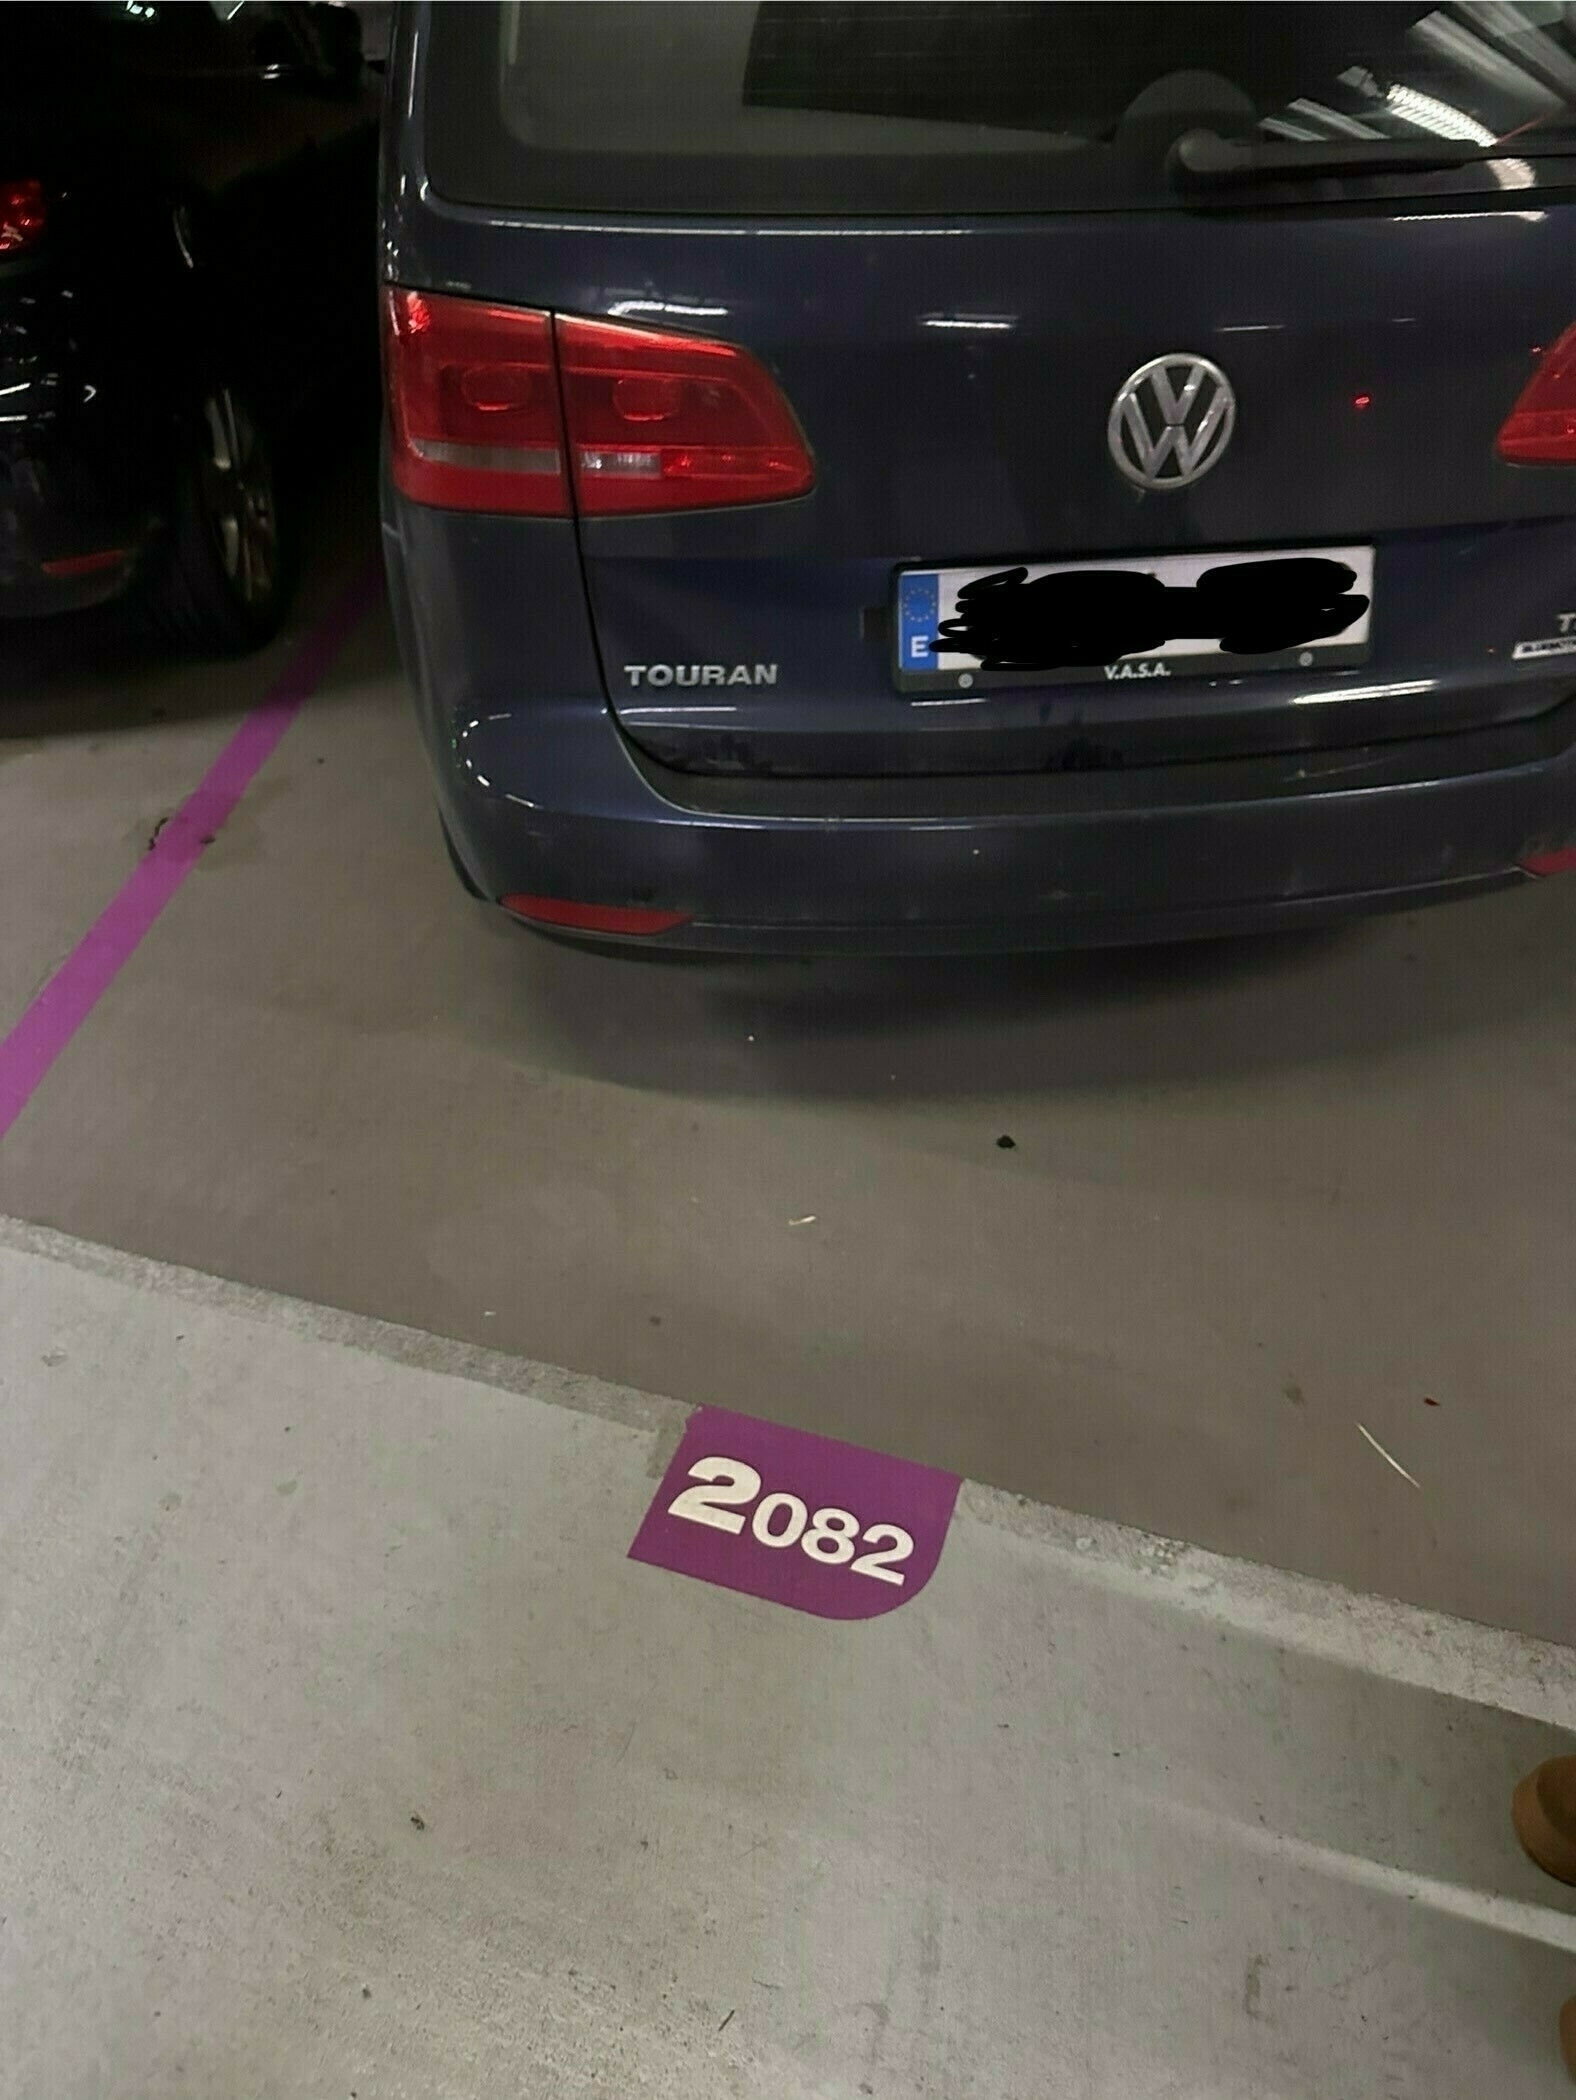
(22, 215)
(671, 422)
(473, 405)
(1541, 429)
(1562, 861)
(593, 918)
(655, 422)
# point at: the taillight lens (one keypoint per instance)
(654, 422)
(473, 405)
(1541, 429)
(23, 215)
(671, 422)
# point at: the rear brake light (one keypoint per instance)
(473, 405)
(22, 216)
(1541, 429)
(655, 422)
(593, 918)
(672, 422)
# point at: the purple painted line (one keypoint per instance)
(60, 1009)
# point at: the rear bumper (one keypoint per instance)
(543, 795)
(998, 864)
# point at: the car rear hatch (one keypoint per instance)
(952, 235)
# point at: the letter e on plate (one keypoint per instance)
(803, 1520)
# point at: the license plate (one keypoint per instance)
(1148, 616)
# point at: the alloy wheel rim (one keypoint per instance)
(238, 490)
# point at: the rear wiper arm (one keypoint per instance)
(1205, 160)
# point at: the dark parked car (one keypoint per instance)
(187, 221)
(963, 475)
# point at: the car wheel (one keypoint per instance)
(222, 585)
(466, 882)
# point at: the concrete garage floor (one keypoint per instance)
(347, 1753)
(1259, 1194)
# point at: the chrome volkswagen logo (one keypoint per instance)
(1171, 420)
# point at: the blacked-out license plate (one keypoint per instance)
(1155, 616)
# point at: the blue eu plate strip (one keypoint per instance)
(918, 610)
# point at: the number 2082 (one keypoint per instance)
(781, 1520)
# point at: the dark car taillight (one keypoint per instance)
(23, 215)
(1541, 429)
(473, 405)
(481, 411)
(672, 422)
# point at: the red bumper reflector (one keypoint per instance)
(593, 918)
(87, 564)
(1562, 861)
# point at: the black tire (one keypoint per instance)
(220, 582)
(459, 866)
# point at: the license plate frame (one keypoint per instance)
(921, 598)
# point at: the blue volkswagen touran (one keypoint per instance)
(980, 474)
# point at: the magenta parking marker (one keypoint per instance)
(802, 1520)
(58, 1011)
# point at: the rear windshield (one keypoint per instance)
(960, 106)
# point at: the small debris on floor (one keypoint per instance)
(725, 2022)
(1007, 1144)
(810, 1220)
(1429, 1403)
(1389, 1461)
(418, 1822)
